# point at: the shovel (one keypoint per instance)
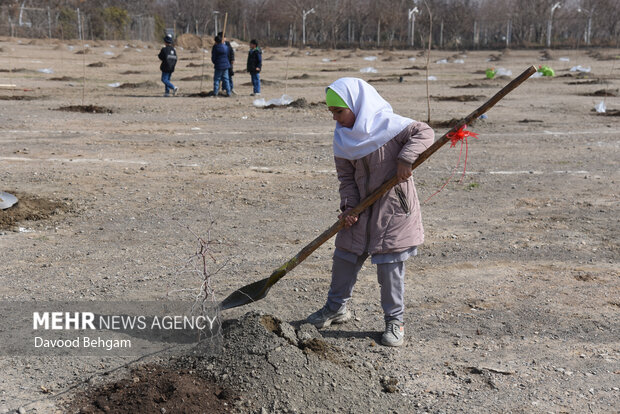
(258, 290)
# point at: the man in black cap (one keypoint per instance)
(168, 57)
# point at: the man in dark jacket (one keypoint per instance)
(219, 57)
(231, 59)
(168, 57)
(255, 62)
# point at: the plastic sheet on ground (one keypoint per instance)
(6, 200)
(503, 72)
(580, 68)
(600, 107)
(369, 69)
(458, 61)
(432, 77)
(282, 101)
(442, 61)
(370, 58)
(564, 59)
(114, 85)
(46, 70)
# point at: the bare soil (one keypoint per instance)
(512, 303)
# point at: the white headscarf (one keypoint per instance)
(375, 121)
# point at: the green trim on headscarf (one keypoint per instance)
(333, 99)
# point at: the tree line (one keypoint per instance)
(448, 24)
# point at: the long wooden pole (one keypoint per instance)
(258, 290)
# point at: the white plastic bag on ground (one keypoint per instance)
(600, 107)
(282, 101)
(503, 72)
(537, 75)
(458, 61)
(564, 59)
(579, 68)
(114, 85)
(46, 70)
(370, 58)
(368, 70)
(442, 61)
(432, 77)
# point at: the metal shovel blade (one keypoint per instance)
(247, 294)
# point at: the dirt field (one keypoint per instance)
(513, 304)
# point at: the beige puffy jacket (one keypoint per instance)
(394, 222)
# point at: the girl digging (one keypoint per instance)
(371, 145)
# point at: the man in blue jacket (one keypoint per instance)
(219, 57)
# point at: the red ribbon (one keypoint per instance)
(460, 135)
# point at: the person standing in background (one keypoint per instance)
(231, 60)
(255, 63)
(168, 57)
(219, 57)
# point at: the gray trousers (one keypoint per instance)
(391, 278)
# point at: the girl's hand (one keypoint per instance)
(403, 171)
(348, 220)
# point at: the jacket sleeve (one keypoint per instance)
(349, 193)
(259, 59)
(161, 55)
(231, 52)
(420, 137)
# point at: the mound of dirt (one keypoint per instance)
(586, 82)
(86, 109)
(338, 70)
(599, 56)
(546, 55)
(206, 94)
(415, 67)
(31, 208)
(196, 77)
(64, 79)
(603, 92)
(458, 98)
(280, 367)
(609, 112)
(14, 70)
(445, 124)
(474, 85)
(154, 389)
(19, 98)
(495, 58)
(191, 41)
(145, 84)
